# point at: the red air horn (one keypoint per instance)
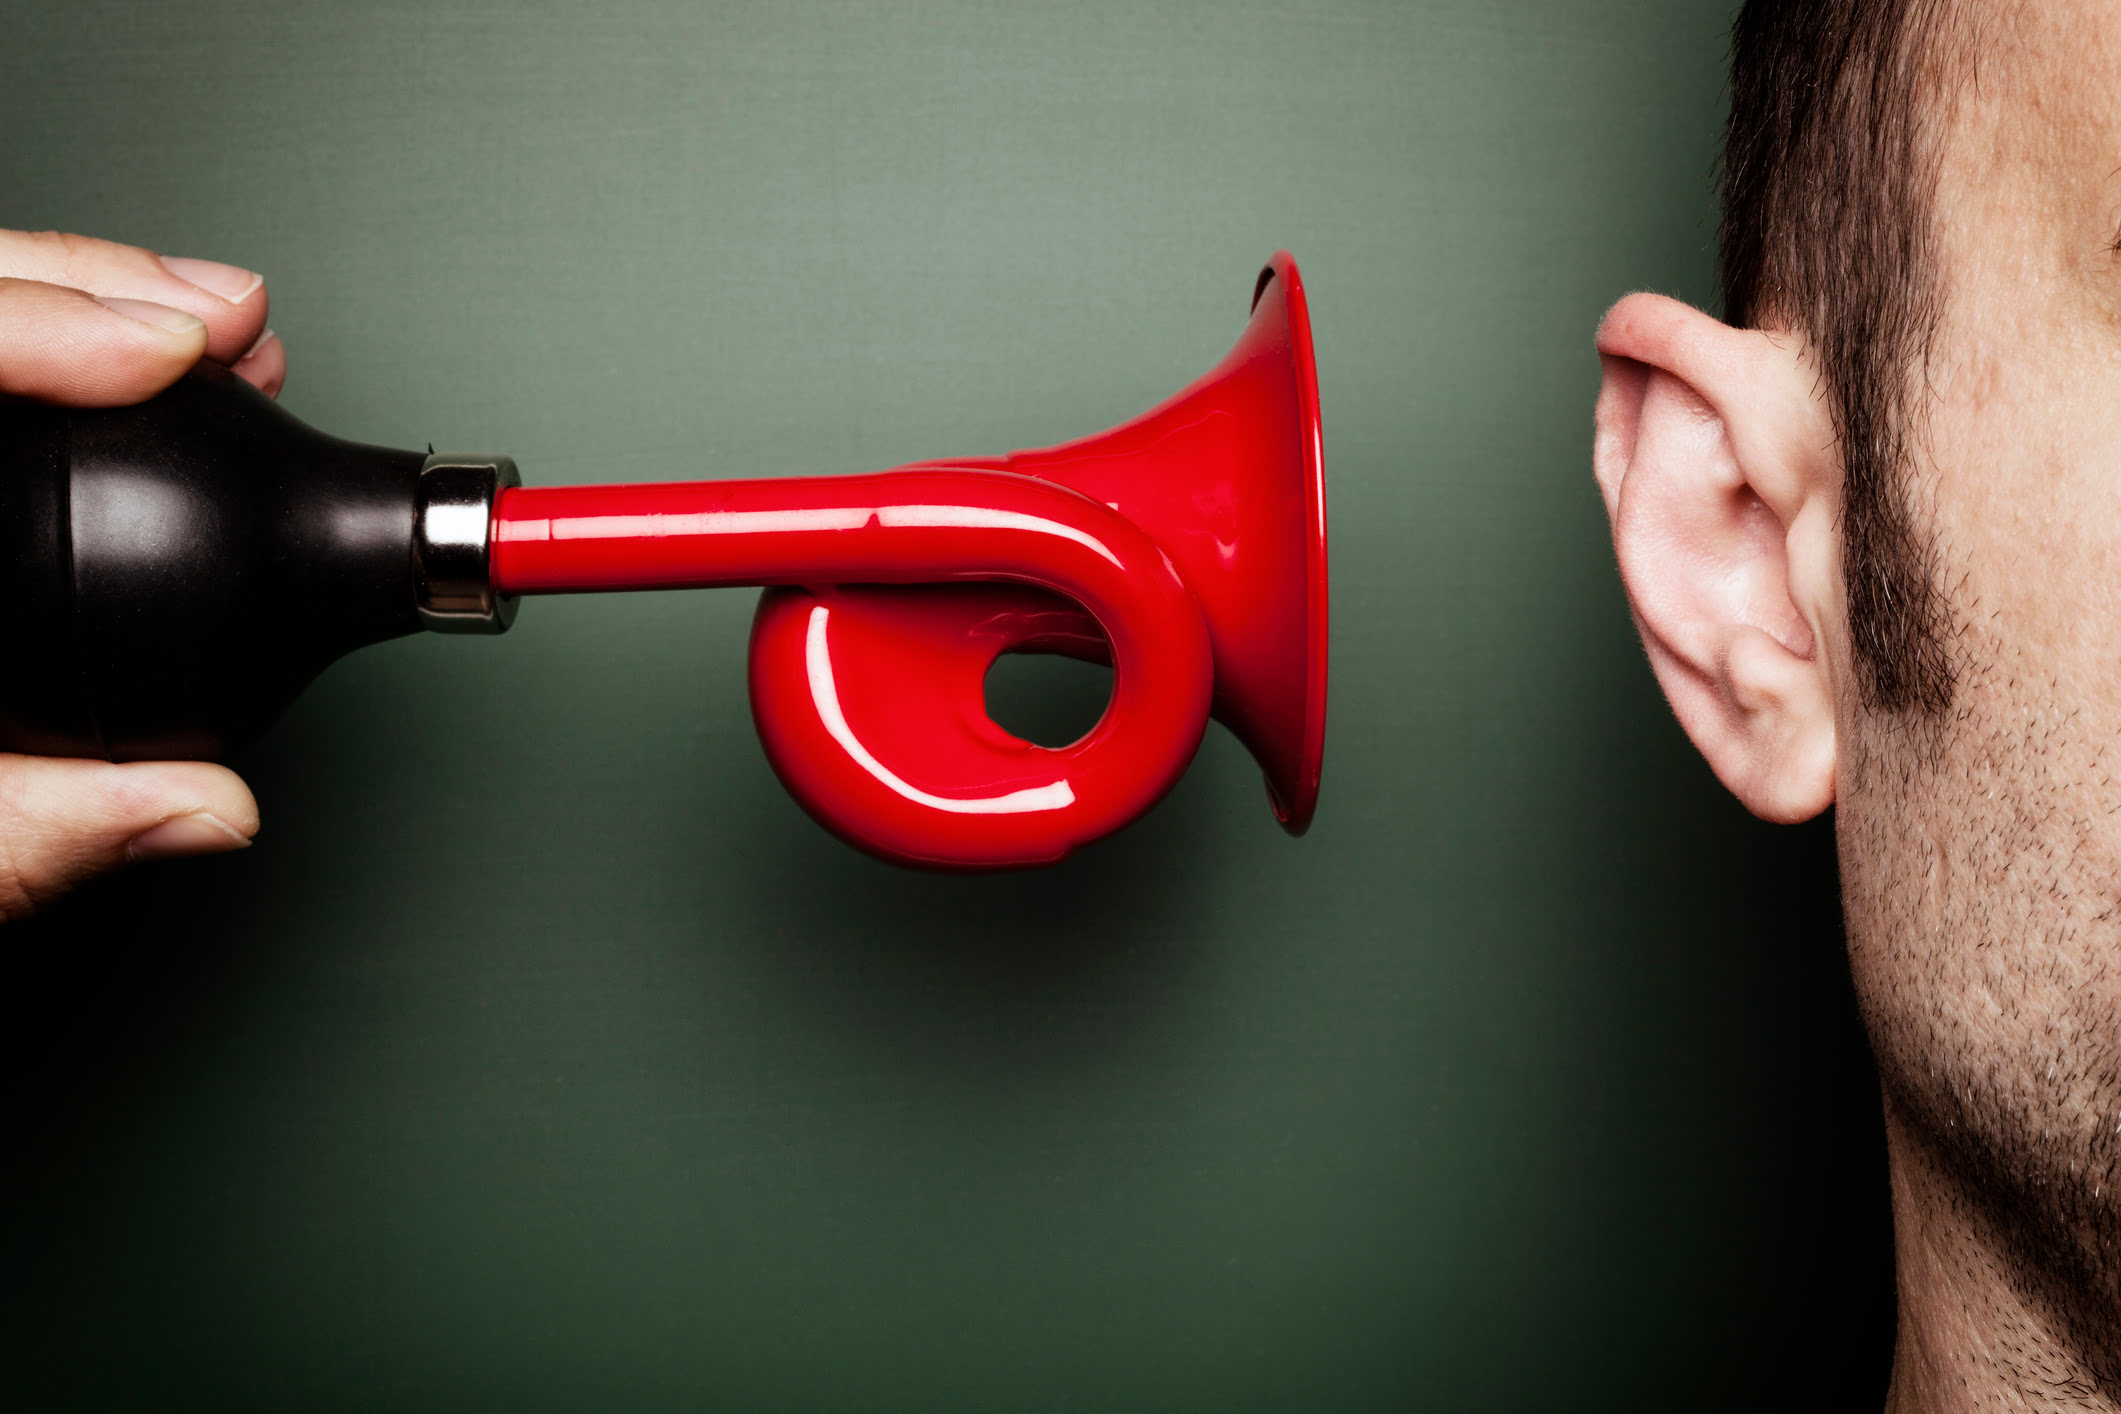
(1186, 548)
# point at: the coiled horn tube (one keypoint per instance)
(895, 752)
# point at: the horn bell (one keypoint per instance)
(1228, 477)
(1227, 480)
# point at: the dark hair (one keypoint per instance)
(1829, 170)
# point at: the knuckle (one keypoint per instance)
(60, 253)
(17, 900)
(79, 260)
(35, 869)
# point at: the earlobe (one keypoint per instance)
(1715, 463)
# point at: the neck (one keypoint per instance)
(1969, 1339)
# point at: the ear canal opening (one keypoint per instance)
(1048, 699)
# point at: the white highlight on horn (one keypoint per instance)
(825, 696)
(987, 518)
(660, 525)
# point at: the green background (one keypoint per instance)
(543, 1055)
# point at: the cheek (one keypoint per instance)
(2023, 489)
(1983, 852)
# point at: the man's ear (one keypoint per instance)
(1720, 472)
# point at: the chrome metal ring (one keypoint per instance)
(452, 559)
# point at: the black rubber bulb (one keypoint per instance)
(178, 571)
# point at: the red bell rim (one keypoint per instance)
(1295, 815)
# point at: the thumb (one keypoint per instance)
(62, 822)
(62, 346)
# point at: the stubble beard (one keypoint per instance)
(1981, 869)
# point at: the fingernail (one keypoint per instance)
(161, 316)
(263, 339)
(231, 282)
(199, 833)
